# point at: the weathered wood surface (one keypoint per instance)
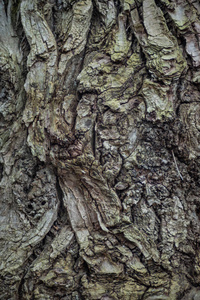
(99, 149)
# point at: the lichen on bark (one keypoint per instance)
(99, 149)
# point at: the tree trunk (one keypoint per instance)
(99, 149)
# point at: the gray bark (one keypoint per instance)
(99, 149)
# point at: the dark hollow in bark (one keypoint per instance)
(99, 149)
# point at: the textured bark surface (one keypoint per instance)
(99, 149)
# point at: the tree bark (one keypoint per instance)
(99, 149)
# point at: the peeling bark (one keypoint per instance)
(99, 149)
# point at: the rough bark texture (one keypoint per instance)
(99, 149)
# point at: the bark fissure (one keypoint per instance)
(99, 149)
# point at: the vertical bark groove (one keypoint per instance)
(99, 149)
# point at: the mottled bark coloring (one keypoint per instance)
(99, 149)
